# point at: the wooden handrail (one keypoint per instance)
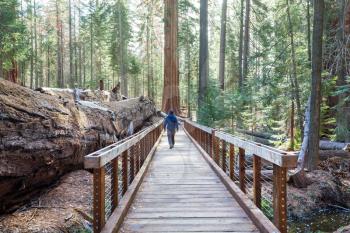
(281, 161)
(273, 155)
(101, 157)
(125, 160)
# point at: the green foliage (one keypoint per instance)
(12, 35)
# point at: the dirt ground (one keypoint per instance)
(66, 207)
(329, 188)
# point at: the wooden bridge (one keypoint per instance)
(202, 185)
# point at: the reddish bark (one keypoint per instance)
(171, 100)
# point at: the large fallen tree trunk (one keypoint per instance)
(44, 136)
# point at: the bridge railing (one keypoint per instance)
(114, 169)
(259, 171)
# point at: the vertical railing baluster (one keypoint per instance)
(242, 169)
(223, 143)
(257, 180)
(232, 161)
(280, 197)
(114, 182)
(125, 171)
(99, 199)
(212, 151)
(132, 162)
(137, 159)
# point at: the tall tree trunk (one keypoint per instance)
(36, 48)
(71, 74)
(122, 54)
(342, 116)
(240, 51)
(294, 71)
(60, 82)
(188, 59)
(315, 102)
(148, 52)
(84, 66)
(308, 18)
(31, 47)
(48, 75)
(203, 52)
(246, 40)
(222, 45)
(91, 49)
(292, 115)
(171, 100)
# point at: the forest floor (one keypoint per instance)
(325, 204)
(63, 207)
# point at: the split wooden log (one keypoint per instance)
(44, 136)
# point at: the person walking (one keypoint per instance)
(170, 124)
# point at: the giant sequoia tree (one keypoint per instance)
(171, 96)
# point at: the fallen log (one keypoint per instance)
(44, 136)
(329, 145)
(326, 154)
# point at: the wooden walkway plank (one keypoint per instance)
(181, 193)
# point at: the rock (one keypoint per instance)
(64, 208)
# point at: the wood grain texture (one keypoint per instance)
(181, 193)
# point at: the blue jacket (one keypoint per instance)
(171, 123)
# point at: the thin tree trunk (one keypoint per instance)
(203, 52)
(48, 67)
(36, 48)
(31, 47)
(308, 18)
(240, 51)
(246, 40)
(222, 45)
(91, 49)
(122, 54)
(59, 55)
(292, 115)
(294, 71)
(315, 102)
(188, 59)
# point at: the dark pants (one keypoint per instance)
(171, 137)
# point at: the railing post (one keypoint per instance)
(232, 161)
(223, 155)
(114, 182)
(280, 198)
(125, 170)
(132, 162)
(99, 199)
(242, 169)
(212, 152)
(257, 180)
(138, 154)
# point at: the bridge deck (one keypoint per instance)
(181, 193)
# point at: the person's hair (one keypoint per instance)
(171, 112)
